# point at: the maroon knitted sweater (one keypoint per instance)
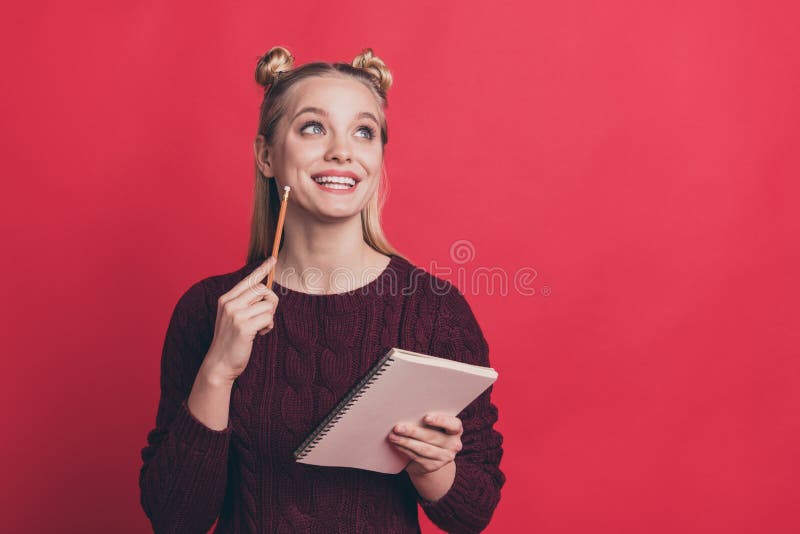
(321, 345)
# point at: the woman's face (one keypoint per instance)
(330, 129)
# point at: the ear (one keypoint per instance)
(263, 156)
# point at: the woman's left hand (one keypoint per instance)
(431, 446)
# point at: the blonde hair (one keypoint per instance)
(275, 72)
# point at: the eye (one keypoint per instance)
(370, 130)
(310, 123)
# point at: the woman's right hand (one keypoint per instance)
(244, 311)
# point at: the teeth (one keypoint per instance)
(337, 186)
(336, 180)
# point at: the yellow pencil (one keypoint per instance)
(278, 232)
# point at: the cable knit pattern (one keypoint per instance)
(245, 476)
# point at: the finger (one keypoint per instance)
(258, 308)
(270, 296)
(251, 280)
(428, 435)
(422, 449)
(426, 464)
(250, 296)
(449, 423)
(262, 321)
(264, 331)
(253, 294)
(408, 452)
(257, 294)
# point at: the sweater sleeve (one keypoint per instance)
(182, 480)
(469, 504)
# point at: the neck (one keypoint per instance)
(330, 257)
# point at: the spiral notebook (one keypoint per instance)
(401, 387)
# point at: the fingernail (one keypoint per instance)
(400, 428)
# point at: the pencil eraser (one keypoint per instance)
(286, 188)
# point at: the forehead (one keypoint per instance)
(341, 97)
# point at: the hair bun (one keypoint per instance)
(273, 63)
(371, 63)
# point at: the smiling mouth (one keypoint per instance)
(335, 183)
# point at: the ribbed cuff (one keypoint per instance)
(450, 503)
(196, 436)
(460, 509)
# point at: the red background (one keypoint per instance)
(641, 157)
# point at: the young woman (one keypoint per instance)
(248, 371)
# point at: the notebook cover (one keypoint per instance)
(395, 390)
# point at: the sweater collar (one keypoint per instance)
(389, 282)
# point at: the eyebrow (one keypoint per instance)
(320, 111)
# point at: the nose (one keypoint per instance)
(339, 150)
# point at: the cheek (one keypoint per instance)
(300, 154)
(374, 162)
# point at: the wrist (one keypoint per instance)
(215, 374)
(429, 474)
(434, 485)
(210, 396)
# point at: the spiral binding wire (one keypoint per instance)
(338, 412)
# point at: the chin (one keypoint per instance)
(341, 213)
